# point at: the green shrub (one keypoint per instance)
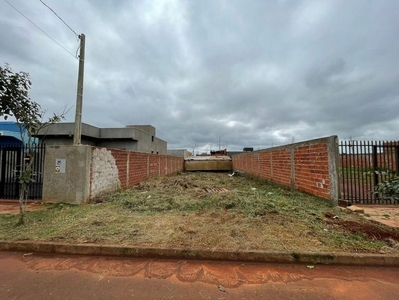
(389, 189)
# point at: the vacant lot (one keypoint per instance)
(207, 211)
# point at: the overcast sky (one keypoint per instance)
(245, 73)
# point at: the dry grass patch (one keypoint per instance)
(203, 211)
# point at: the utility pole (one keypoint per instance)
(79, 96)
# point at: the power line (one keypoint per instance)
(41, 29)
(59, 18)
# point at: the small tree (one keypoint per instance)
(15, 102)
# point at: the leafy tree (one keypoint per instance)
(15, 102)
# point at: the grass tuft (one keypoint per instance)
(201, 211)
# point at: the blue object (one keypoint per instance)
(10, 134)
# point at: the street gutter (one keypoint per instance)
(355, 259)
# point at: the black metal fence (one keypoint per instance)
(364, 164)
(14, 158)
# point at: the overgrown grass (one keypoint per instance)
(187, 193)
(198, 210)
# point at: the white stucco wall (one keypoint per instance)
(105, 177)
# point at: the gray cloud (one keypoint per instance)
(247, 73)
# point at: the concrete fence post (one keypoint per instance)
(271, 165)
(148, 166)
(333, 168)
(128, 168)
(292, 158)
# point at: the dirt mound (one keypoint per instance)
(371, 229)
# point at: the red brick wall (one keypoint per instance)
(138, 168)
(135, 167)
(121, 158)
(282, 166)
(265, 165)
(312, 171)
(310, 166)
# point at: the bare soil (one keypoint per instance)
(369, 229)
(12, 207)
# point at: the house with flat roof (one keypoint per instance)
(179, 152)
(139, 138)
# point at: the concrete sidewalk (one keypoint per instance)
(385, 214)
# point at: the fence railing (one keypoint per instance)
(14, 158)
(364, 164)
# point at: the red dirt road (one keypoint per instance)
(33, 276)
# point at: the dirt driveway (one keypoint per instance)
(12, 207)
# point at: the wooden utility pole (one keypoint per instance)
(79, 96)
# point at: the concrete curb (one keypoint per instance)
(245, 256)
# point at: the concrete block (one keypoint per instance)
(356, 209)
(71, 185)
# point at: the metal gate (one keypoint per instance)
(13, 160)
(364, 164)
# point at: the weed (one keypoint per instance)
(388, 189)
(197, 210)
